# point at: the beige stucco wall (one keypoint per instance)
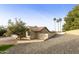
(38, 35)
(73, 32)
(42, 36)
(33, 35)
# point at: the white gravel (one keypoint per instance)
(59, 44)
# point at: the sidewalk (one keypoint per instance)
(28, 41)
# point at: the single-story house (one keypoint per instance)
(38, 33)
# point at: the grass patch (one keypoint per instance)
(4, 47)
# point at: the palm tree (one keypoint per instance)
(60, 20)
(58, 24)
(54, 19)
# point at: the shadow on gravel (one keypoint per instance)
(58, 35)
(55, 36)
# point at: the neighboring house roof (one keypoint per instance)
(37, 29)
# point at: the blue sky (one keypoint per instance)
(34, 14)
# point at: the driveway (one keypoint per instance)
(61, 44)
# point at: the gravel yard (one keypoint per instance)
(61, 44)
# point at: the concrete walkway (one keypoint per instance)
(28, 41)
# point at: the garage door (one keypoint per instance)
(43, 36)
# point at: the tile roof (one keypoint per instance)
(36, 29)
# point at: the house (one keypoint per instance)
(38, 33)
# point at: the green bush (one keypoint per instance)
(2, 31)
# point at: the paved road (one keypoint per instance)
(58, 45)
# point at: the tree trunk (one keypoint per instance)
(60, 26)
(19, 37)
(55, 26)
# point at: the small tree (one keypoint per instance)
(18, 27)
